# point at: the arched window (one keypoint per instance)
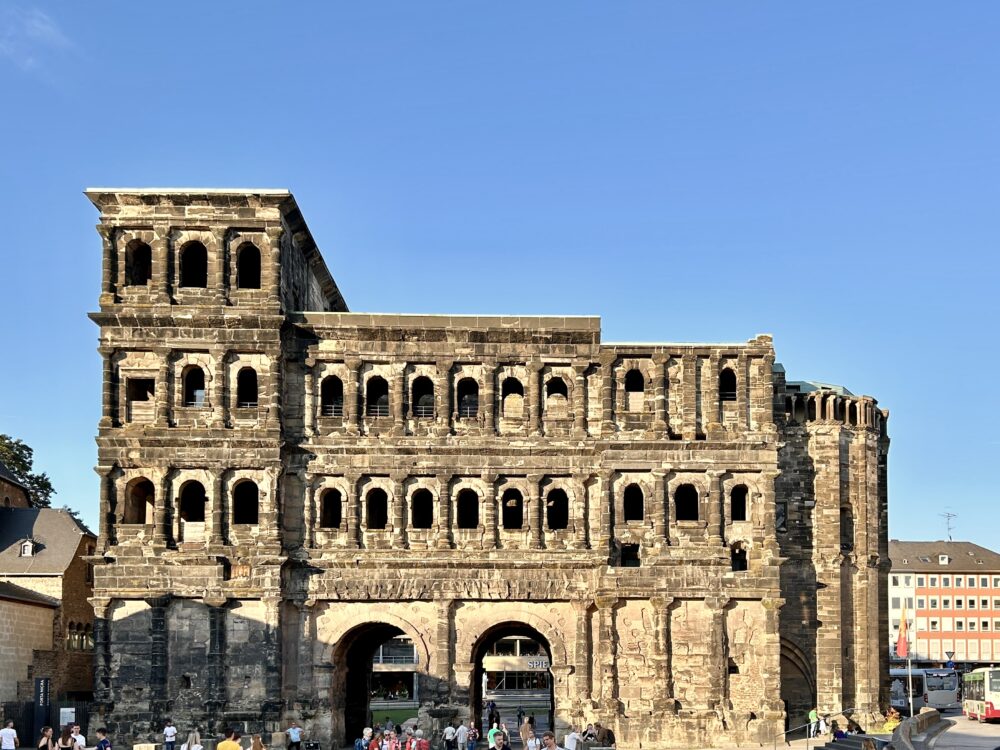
(422, 509)
(193, 502)
(423, 398)
(556, 387)
(686, 502)
(633, 504)
(246, 388)
(738, 557)
(247, 266)
(557, 510)
(727, 385)
(635, 385)
(332, 397)
(468, 397)
(811, 409)
(512, 398)
(634, 381)
(852, 414)
(138, 263)
(330, 509)
(245, 502)
(468, 509)
(377, 397)
(556, 394)
(194, 386)
(378, 508)
(846, 529)
(738, 503)
(194, 265)
(512, 510)
(139, 501)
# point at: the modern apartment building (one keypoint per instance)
(950, 592)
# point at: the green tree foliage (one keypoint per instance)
(17, 456)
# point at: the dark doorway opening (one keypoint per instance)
(352, 687)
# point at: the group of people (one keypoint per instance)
(465, 736)
(70, 738)
(820, 725)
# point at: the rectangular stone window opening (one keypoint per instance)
(630, 556)
(140, 399)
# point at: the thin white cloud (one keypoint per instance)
(28, 36)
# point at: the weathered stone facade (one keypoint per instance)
(691, 537)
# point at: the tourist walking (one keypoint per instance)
(45, 741)
(169, 735)
(524, 728)
(232, 741)
(472, 738)
(103, 743)
(571, 740)
(449, 737)
(257, 743)
(813, 722)
(8, 736)
(549, 741)
(532, 743)
(462, 735)
(294, 733)
(193, 742)
(499, 742)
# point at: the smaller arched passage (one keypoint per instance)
(798, 684)
(422, 509)
(193, 380)
(512, 398)
(467, 509)
(138, 263)
(192, 502)
(727, 385)
(194, 265)
(468, 398)
(331, 397)
(376, 509)
(330, 509)
(377, 397)
(686, 503)
(512, 510)
(246, 503)
(422, 398)
(738, 503)
(246, 388)
(633, 504)
(557, 510)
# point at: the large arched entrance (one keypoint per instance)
(512, 671)
(377, 678)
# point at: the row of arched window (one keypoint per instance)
(79, 637)
(192, 265)
(140, 502)
(421, 395)
(512, 504)
(193, 391)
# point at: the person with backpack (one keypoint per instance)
(361, 743)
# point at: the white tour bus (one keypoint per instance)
(937, 688)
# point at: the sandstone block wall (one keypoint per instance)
(24, 629)
(662, 517)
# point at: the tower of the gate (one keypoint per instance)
(697, 544)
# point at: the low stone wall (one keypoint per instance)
(903, 736)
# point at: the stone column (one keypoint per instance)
(102, 651)
(218, 266)
(219, 387)
(397, 386)
(163, 388)
(606, 657)
(352, 418)
(309, 401)
(158, 638)
(217, 539)
(106, 534)
(689, 396)
(533, 396)
(309, 512)
(490, 515)
(274, 383)
(742, 392)
(715, 502)
(583, 656)
(606, 510)
(537, 511)
(441, 653)
(271, 266)
(659, 398)
(215, 673)
(271, 524)
(580, 400)
(353, 508)
(108, 258)
(107, 386)
(442, 397)
(398, 510)
(607, 395)
(160, 247)
(444, 512)
(719, 655)
(579, 539)
(489, 397)
(161, 519)
(658, 508)
(663, 700)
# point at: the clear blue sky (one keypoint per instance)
(827, 173)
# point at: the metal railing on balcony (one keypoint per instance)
(332, 410)
(423, 411)
(377, 410)
(246, 404)
(466, 412)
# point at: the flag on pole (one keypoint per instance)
(903, 641)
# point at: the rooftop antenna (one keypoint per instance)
(947, 520)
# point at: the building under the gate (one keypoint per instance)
(698, 544)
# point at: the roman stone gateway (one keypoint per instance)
(697, 542)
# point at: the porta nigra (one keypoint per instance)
(699, 543)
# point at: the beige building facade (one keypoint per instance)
(699, 544)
